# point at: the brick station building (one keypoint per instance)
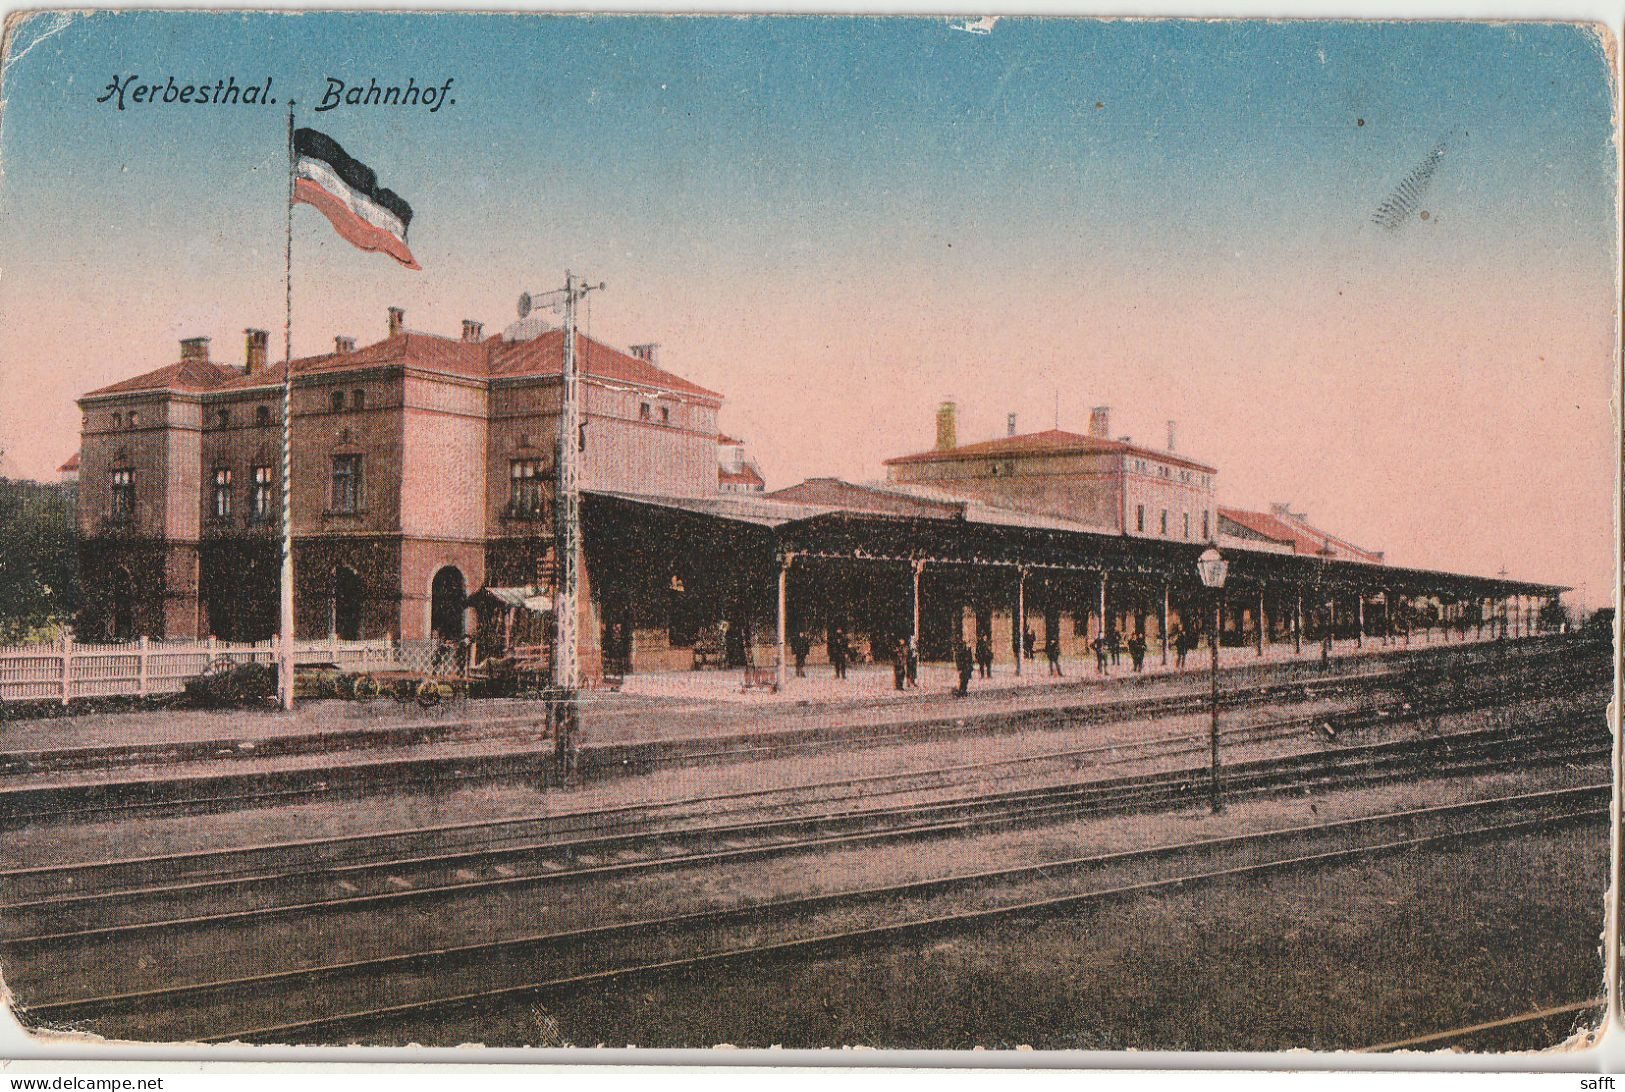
(424, 473)
(423, 469)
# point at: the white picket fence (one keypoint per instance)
(65, 670)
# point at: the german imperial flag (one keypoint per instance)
(346, 191)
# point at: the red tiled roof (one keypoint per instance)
(853, 497)
(70, 466)
(1303, 538)
(491, 358)
(1048, 442)
(544, 355)
(746, 476)
(188, 375)
(724, 440)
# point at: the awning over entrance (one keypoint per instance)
(523, 598)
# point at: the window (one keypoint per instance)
(643, 411)
(335, 401)
(118, 420)
(1187, 525)
(346, 483)
(261, 507)
(1165, 521)
(665, 415)
(358, 399)
(123, 495)
(222, 493)
(135, 419)
(262, 415)
(1139, 517)
(525, 487)
(1205, 536)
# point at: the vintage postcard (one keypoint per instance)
(557, 531)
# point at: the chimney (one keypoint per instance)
(397, 321)
(195, 348)
(254, 350)
(947, 434)
(342, 344)
(472, 331)
(649, 352)
(1170, 436)
(1010, 425)
(1100, 418)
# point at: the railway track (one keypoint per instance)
(340, 1001)
(1438, 1040)
(42, 904)
(70, 916)
(1532, 672)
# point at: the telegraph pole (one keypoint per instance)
(567, 533)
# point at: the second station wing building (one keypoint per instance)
(424, 473)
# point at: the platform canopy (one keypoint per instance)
(985, 537)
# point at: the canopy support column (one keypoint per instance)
(1261, 619)
(784, 601)
(1019, 623)
(1297, 623)
(1102, 603)
(1164, 627)
(919, 567)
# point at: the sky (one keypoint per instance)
(839, 223)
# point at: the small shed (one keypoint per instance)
(509, 617)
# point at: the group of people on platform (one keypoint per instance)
(977, 660)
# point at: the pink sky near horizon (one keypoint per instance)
(1467, 427)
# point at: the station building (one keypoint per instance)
(424, 469)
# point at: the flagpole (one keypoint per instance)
(285, 651)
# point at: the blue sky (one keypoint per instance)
(837, 222)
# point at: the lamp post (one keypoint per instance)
(1213, 568)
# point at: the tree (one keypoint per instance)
(39, 565)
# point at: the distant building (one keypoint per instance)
(69, 471)
(1286, 531)
(423, 469)
(736, 471)
(1109, 484)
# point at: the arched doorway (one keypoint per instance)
(447, 597)
(346, 603)
(121, 618)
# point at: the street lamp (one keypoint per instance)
(1213, 568)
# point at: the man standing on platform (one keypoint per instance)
(962, 661)
(800, 645)
(838, 651)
